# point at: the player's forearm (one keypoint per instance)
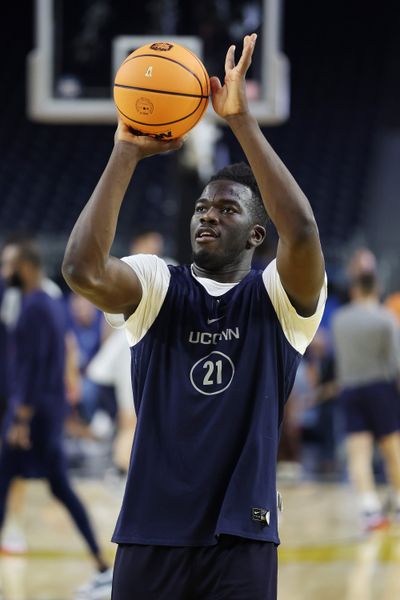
(284, 201)
(91, 239)
(24, 414)
(24, 402)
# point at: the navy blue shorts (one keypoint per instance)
(234, 569)
(373, 407)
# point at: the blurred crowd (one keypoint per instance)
(314, 431)
(100, 419)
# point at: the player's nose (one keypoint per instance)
(211, 216)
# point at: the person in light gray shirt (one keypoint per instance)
(366, 336)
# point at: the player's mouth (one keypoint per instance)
(206, 234)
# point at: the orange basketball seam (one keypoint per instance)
(204, 70)
(166, 123)
(200, 115)
(170, 60)
(142, 89)
(202, 111)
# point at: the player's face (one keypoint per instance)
(10, 265)
(221, 225)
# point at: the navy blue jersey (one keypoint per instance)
(3, 345)
(3, 363)
(37, 356)
(210, 379)
(88, 335)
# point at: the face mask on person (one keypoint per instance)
(15, 280)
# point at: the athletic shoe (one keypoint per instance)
(13, 541)
(374, 521)
(98, 588)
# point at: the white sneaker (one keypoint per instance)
(13, 540)
(374, 521)
(98, 588)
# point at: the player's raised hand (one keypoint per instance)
(143, 145)
(230, 99)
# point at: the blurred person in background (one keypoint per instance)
(86, 330)
(367, 367)
(309, 433)
(392, 303)
(33, 426)
(13, 536)
(148, 241)
(290, 466)
(362, 260)
(86, 322)
(110, 371)
(3, 360)
(322, 406)
(111, 366)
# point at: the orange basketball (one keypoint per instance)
(161, 89)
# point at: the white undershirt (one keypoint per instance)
(155, 276)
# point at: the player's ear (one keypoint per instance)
(257, 236)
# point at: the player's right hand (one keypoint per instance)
(19, 436)
(143, 145)
(229, 100)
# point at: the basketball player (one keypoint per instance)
(215, 347)
(3, 369)
(366, 342)
(32, 438)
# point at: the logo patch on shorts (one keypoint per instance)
(261, 515)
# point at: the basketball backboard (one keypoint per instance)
(79, 46)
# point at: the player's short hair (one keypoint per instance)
(367, 282)
(241, 173)
(28, 248)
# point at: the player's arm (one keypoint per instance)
(72, 376)
(393, 345)
(300, 261)
(88, 268)
(31, 349)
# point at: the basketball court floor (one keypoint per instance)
(323, 556)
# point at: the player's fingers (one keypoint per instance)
(215, 84)
(143, 140)
(122, 126)
(174, 144)
(156, 146)
(230, 59)
(249, 43)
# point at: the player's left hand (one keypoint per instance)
(19, 436)
(230, 99)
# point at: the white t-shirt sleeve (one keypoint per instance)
(154, 277)
(298, 330)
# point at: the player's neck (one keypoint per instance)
(226, 274)
(365, 298)
(32, 284)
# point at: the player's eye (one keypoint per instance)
(199, 209)
(228, 210)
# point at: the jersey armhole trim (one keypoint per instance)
(298, 330)
(154, 276)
